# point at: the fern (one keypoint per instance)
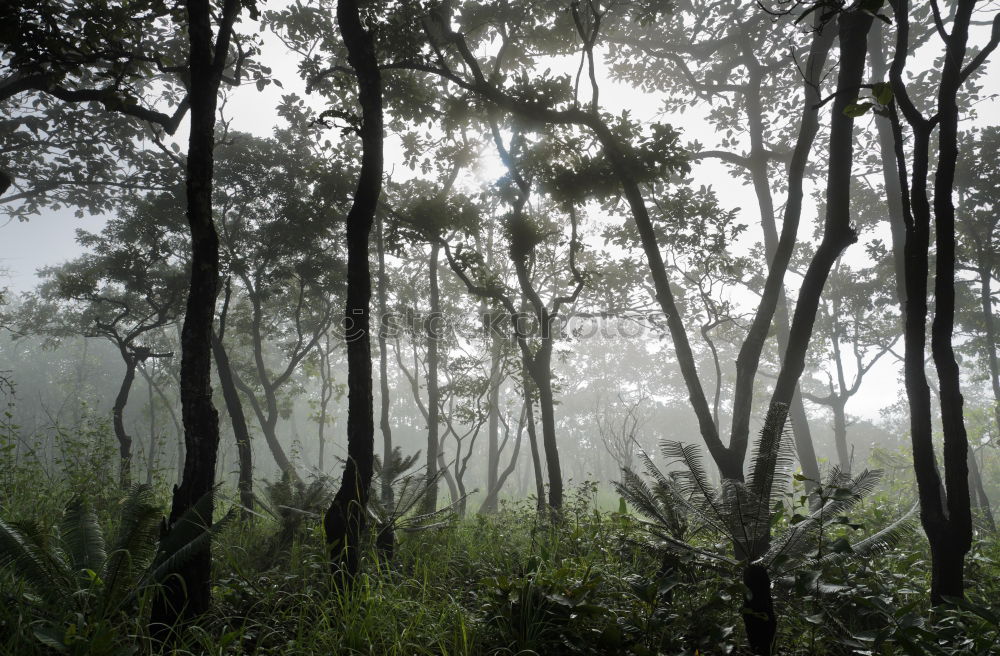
(22, 550)
(82, 536)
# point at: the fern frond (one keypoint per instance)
(770, 476)
(693, 480)
(848, 493)
(685, 498)
(133, 548)
(635, 491)
(882, 541)
(184, 541)
(22, 550)
(82, 537)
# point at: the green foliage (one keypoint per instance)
(77, 590)
(293, 503)
(751, 515)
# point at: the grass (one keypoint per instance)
(505, 585)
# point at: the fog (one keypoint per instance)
(503, 253)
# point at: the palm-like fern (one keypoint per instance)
(743, 512)
(79, 575)
(396, 513)
(291, 503)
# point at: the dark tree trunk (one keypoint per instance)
(383, 366)
(345, 519)
(536, 462)
(432, 328)
(890, 178)
(758, 610)
(945, 510)
(837, 405)
(758, 166)
(541, 374)
(838, 233)
(188, 594)
(151, 460)
(493, 428)
(234, 407)
(956, 445)
(124, 439)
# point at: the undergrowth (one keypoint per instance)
(507, 584)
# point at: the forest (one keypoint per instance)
(497, 327)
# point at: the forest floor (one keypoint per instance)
(506, 584)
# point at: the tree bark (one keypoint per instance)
(432, 329)
(759, 618)
(151, 459)
(234, 407)
(840, 433)
(346, 518)
(758, 160)
(189, 593)
(536, 463)
(890, 178)
(541, 373)
(118, 411)
(945, 510)
(383, 365)
(958, 538)
(838, 233)
(489, 506)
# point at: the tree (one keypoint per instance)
(945, 510)
(853, 317)
(695, 64)
(126, 290)
(345, 519)
(274, 197)
(188, 594)
(838, 231)
(628, 158)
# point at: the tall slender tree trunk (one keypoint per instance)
(958, 539)
(945, 509)
(188, 594)
(759, 160)
(432, 329)
(118, 419)
(383, 364)
(536, 462)
(345, 519)
(541, 373)
(838, 233)
(151, 459)
(838, 406)
(234, 408)
(890, 177)
(493, 427)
